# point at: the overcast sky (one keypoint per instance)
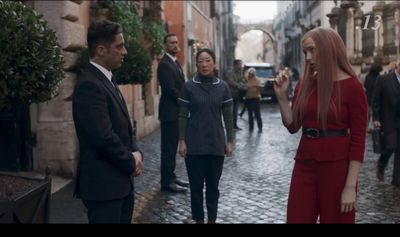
(255, 10)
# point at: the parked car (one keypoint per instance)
(264, 71)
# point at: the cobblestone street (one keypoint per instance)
(255, 181)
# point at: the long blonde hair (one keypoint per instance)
(330, 55)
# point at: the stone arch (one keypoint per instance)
(272, 38)
(245, 28)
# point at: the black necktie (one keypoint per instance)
(122, 101)
(179, 67)
(114, 82)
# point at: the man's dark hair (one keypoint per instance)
(375, 69)
(167, 36)
(102, 32)
(237, 61)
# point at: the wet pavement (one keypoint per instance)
(254, 184)
(255, 181)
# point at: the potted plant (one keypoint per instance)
(24, 198)
(31, 65)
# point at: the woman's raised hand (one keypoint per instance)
(281, 84)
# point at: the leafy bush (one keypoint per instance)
(31, 62)
(154, 30)
(137, 66)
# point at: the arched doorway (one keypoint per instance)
(255, 44)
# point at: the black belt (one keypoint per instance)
(315, 133)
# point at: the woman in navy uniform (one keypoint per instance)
(204, 101)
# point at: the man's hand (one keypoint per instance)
(377, 124)
(182, 148)
(137, 157)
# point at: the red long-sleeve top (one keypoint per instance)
(353, 116)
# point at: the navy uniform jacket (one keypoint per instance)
(205, 131)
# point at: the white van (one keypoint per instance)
(263, 72)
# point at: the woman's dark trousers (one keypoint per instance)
(253, 106)
(208, 169)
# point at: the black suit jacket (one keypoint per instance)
(386, 107)
(171, 81)
(106, 139)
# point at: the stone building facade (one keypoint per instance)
(197, 23)
(368, 29)
(52, 122)
(201, 24)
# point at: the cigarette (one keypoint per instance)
(271, 79)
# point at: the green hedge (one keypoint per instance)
(137, 66)
(31, 62)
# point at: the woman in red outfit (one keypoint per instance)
(331, 108)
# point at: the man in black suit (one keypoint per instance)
(108, 155)
(172, 79)
(386, 114)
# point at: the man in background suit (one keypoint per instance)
(172, 79)
(386, 114)
(108, 155)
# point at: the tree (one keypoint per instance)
(31, 68)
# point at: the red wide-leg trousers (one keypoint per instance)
(315, 191)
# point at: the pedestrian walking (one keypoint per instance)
(172, 79)
(330, 106)
(386, 116)
(391, 67)
(244, 108)
(363, 72)
(201, 135)
(237, 87)
(108, 155)
(253, 96)
(369, 85)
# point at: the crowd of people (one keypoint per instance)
(199, 117)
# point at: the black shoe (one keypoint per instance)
(237, 128)
(380, 175)
(174, 188)
(395, 183)
(181, 183)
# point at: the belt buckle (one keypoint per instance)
(312, 133)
